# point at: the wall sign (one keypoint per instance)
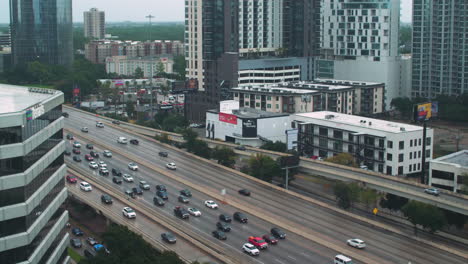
(249, 127)
(35, 112)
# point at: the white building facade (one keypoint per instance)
(449, 172)
(123, 65)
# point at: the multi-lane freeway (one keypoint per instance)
(319, 233)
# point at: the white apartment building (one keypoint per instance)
(94, 23)
(447, 172)
(193, 41)
(126, 66)
(383, 146)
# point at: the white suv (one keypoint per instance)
(133, 166)
(250, 249)
(357, 243)
(122, 140)
(85, 186)
(93, 165)
(128, 212)
(99, 124)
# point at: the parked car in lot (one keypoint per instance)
(71, 178)
(169, 237)
(278, 233)
(91, 241)
(77, 231)
(128, 212)
(134, 141)
(163, 154)
(76, 242)
(356, 242)
(107, 154)
(432, 191)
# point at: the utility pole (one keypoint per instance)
(149, 30)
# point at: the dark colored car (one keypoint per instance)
(105, 198)
(71, 178)
(183, 199)
(67, 153)
(162, 194)
(181, 212)
(94, 154)
(76, 242)
(117, 122)
(168, 237)
(77, 232)
(225, 218)
(70, 136)
(137, 190)
(270, 239)
(223, 226)
(65, 114)
(244, 192)
(130, 193)
(116, 180)
(134, 141)
(89, 146)
(76, 151)
(116, 172)
(163, 154)
(158, 201)
(186, 193)
(240, 217)
(219, 235)
(161, 188)
(278, 233)
(76, 158)
(240, 148)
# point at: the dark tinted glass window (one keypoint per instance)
(10, 135)
(36, 125)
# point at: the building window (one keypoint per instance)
(389, 170)
(350, 148)
(323, 131)
(381, 143)
(257, 104)
(268, 105)
(323, 143)
(351, 137)
(389, 157)
(411, 155)
(411, 143)
(401, 157)
(338, 134)
(400, 170)
(277, 106)
(428, 141)
(401, 145)
(419, 154)
(390, 144)
(428, 153)
(409, 168)
(381, 168)
(419, 142)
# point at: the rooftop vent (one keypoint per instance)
(329, 116)
(402, 129)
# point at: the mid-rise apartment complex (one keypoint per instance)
(382, 146)
(440, 48)
(126, 66)
(449, 172)
(94, 24)
(32, 171)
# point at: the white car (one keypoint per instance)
(85, 186)
(171, 166)
(211, 204)
(127, 178)
(84, 129)
(77, 145)
(355, 242)
(250, 249)
(99, 124)
(93, 165)
(102, 164)
(194, 211)
(128, 212)
(133, 166)
(107, 153)
(122, 140)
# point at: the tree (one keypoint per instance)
(393, 202)
(224, 156)
(130, 108)
(173, 121)
(343, 159)
(263, 167)
(346, 194)
(179, 67)
(139, 73)
(277, 146)
(189, 135)
(404, 105)
(160, 68)
(368, 197)
(455, 219)
(200, 148)
(426, 215)
(40, 72)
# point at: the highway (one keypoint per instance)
(319, 224)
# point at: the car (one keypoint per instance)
(88, 157)
(76, 151)
(91, 241)
(158, 201)
(130, 193)
(194, 211)
(171, 166)
(432, 191)
(76, 144)
(117, 122)
(181, 212)
(102, 164)
(89, 146)
(278, 233)
(364, 167)
(85, 186)
(76, 242)
(116, 180)
(77, 158)
(240, 217)
(134, 141)
(65, 114)
(116, 172)
(186, 193)
(258, 242)
(93, 165)
(84, 129)
(103, 172)
(71, 178)
(94, 154)
(137, 190)
(244, 192)
(225, 218)
(169, 237)
(144, 185)
(122, 140)
(183, 199)
(105, 198)
(163, 154)
(67, 153)
(161, 188)
(225, 227)
(70, 136)
(77, 231)
(270, 239)
(99, 124)
(241, 147)
(250, 249)
(355, 242)
(127, 177)
(219, 235)
(211, 204)
(107, 154)
(132, 166)
(162, 194)
(128, 212)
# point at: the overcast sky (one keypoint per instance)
(136, 10)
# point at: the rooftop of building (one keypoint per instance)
(359, 121)
(274, 89)
(346, 82)
(246, 112)
(18, 98)
(459, 158)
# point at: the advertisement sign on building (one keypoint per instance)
(426, 111)
(249, 127)
(292, 137)
(228, 105)
(35, 112)
(228, 118)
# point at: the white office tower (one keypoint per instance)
(94, 24)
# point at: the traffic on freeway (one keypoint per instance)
(327, 225)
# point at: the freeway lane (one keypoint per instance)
(294, 247)
(332, 226)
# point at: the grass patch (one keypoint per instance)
(74, 255)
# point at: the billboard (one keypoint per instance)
(291, 138)
(249, 127)
(426, 111)
(228, 118)
(227, 106)
(190, 85)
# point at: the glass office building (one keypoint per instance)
(32, 171)
(41, 30)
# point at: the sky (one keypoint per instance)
(163, 10)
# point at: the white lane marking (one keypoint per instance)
(279, 261)
(291, 258)
(304, 254)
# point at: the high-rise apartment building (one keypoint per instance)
(32, 171)
(41, 30)
(440, 48)
(359, 42)
(94, 24)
